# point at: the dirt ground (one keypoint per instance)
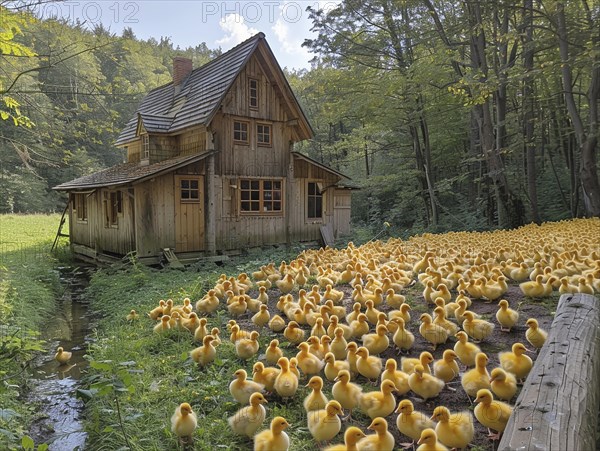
(457, 400)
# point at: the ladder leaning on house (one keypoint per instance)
(60, 226)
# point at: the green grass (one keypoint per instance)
(28, 287)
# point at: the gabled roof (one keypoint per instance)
(128, 173)
(164, 110)
(301, 156)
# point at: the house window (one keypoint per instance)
(80, 206)
(261, 196)
(190, 190)
(263, 134)
(240, 132)
(253, 94)
(146, 145)
(314, 201)
(113, 207)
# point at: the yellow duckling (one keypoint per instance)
(261, 319)
(246, 348)
(237, 333)
(241, 388)
(455, 430)
(325, 424)
(316, 400)
(402, 338)
(345, 392)
(351, 437)
(440, 320)
(293, 333)
(308, 362)
(393, 299)
(238, 307)
(381, 440)
(535, 335)
(286, 284)
(477, 329)
(334, 323)
(163, 325)
(286, 383)
(516, 362)
(276, 323)
(191, 323)
(503, 384)
(351, 356)
(506, 316)
(318, 330)
(157, 312)
(533, 288)
(333, 366)
(184, 423)
(425, 385)
(408, 363)
(353, 315)
(459, 313)
(206, 353)
(446, 368)
(367, 365)
(403, 312)
(428, 290)
(411, 422)
(477, 378)
(441, 292)
(247, 420)
(371, 312)
(338, 344)
(492, 414)
(379, 403)
(433, 333)
(359, 326)
(273, 352)
(315, 347)
(465, 351)
(62, 356)
(399, 378)
(378, 342)
(294, 366)
(332, 294)
(265, 375)
(273, 439)
(132, 316)
(429, 442)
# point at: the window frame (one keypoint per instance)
(269, 134)
(190, 190)
(112, 206)
(277, 195)
(145, 146)
(256, 93)
(314, 196)
(80, 207)
(239, 141)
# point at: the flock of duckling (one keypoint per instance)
(343, 344)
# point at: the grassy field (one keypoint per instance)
(28, 285)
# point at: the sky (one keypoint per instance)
(218, 23)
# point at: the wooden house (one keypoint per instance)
(210, 167)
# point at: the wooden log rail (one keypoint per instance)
(559, 404)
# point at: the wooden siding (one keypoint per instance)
(191, 142)
(341, 211)
(134, 151)
(189, 216)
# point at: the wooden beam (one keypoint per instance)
(210, 212)
(558, 407)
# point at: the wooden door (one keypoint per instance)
(189, 213)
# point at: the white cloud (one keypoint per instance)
(290, 42)
(235, 30)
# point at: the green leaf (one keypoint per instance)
(27, 442)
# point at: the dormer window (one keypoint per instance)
(146, 146)
(253, 94)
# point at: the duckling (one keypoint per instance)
(332, 294)
(399, 378)
(425, 385)
(429, 442)
(411, 422)
(273, 352)
(293, 333)
(441, 292)
(378, 342)
(351, 357)
(157, 312)
(184, 423)
(533, 288)
(408, 363)
(241, 388)
(477, 329)
(459, 313)
(503, 384)
(206, 353)
(351, 437)
(353, 315)
(325, 424)
(403, 338)
(308, 363)
(516, 362)
(247, 420)
(477, 378)
(163, 325)
(261, 319)
(535, 335)
(381, 440)
(428, 290)
(333, 366)
(367, 365)
(132, 316)
(334, 322)
(339, 343)
(394, 300)
(276, 323)
(238, 334)
(238, 307)
(506, 316)
(273, 439)
(215, 334)
(316, 400)
(465, 351)
(446, 368)
(265, 376)
(359, 326)
(371, 312)
(62, 356)
(315, 347)
(379, 403)
(565, 287)
(492, 414)
(286, 382)
(345, 392)
(286, 284)
(455, 430)
(440, 320)
(191, 323)
(318, 330)
(433, 333)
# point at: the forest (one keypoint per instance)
(447, 114)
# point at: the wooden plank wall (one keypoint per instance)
(134, 151)
(191, 141)
(342, 199)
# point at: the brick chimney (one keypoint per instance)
(181, 69)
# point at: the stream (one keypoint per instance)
(53, 386)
